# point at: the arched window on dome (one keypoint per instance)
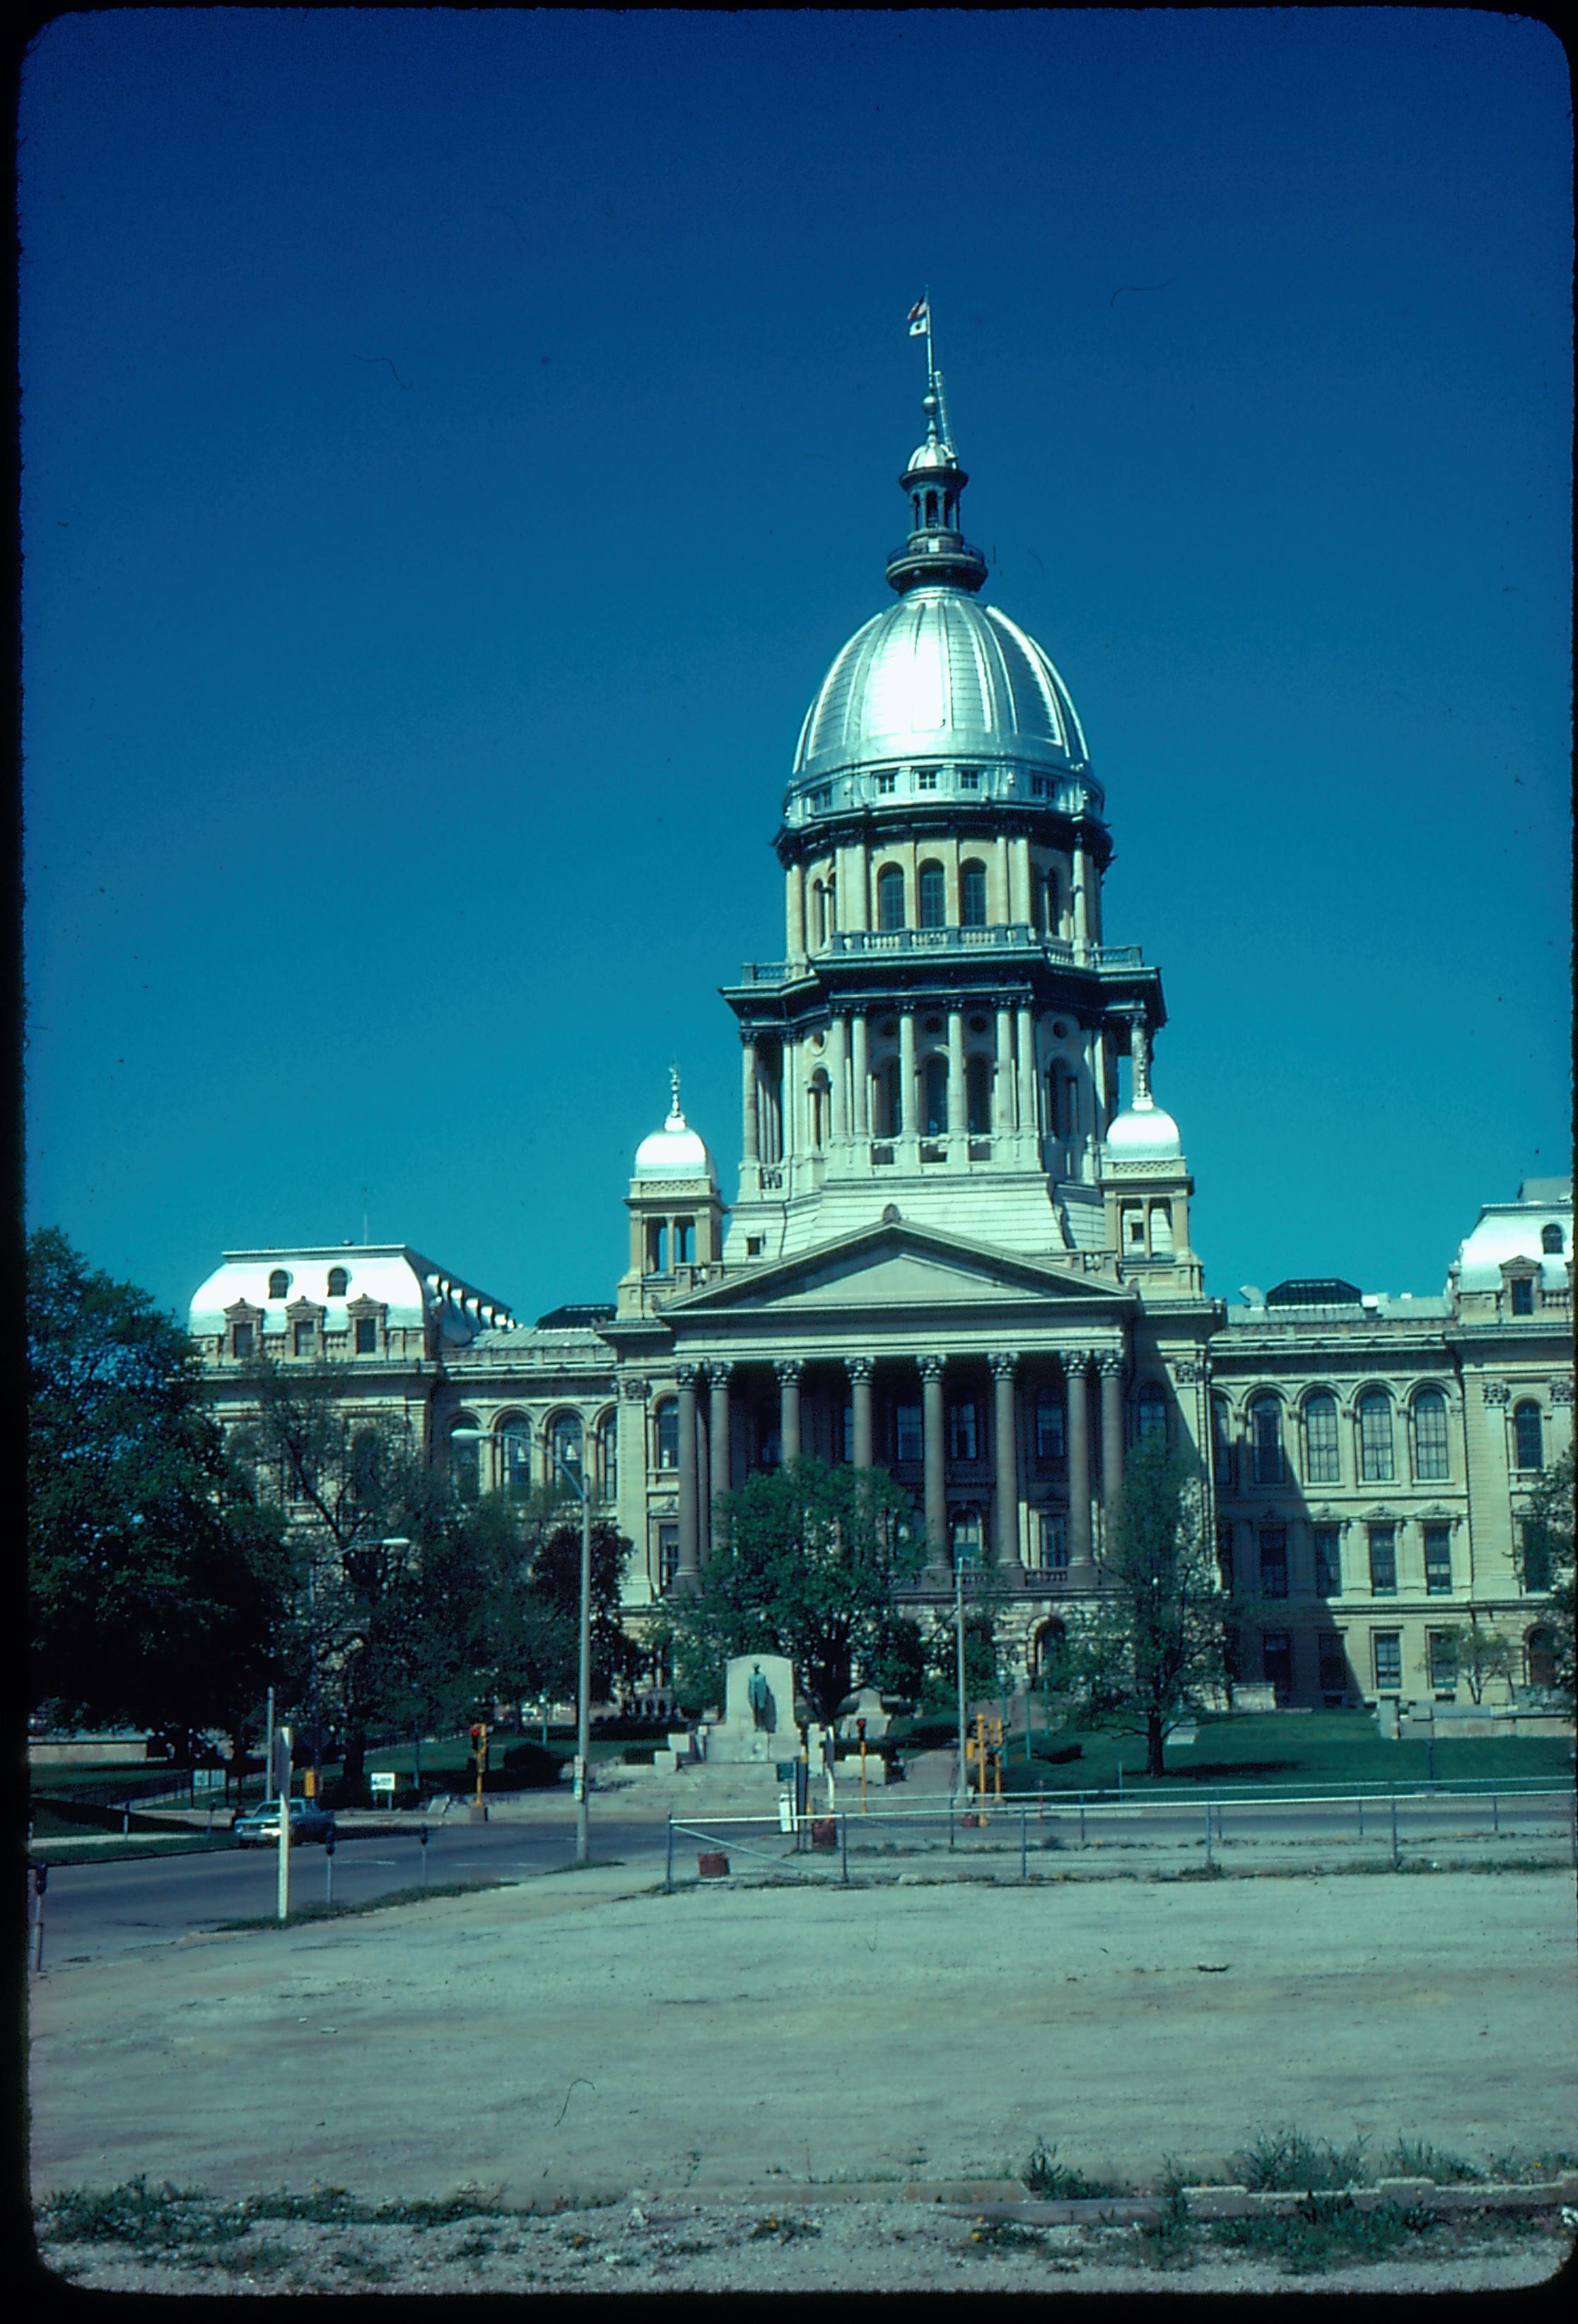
(1550, 1240)
(1047, 905)
(820, 1097)
(339, 1282)
(934, 1098)
(684, 1242)
(933, 891)
(890, 897)
(279, 1283)
(657, 1247)
(931, 508)
(978, 1095)
(1053, 1086)
(887, 1102)
(818, 913)
(950, 508)
(972, 895)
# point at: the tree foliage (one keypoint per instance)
(1545, 1563)
(1478, 1654)
(804, 1564)
(157, 1586)
(1150, 1649)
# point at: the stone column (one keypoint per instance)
(1081, 1571)
(1002, 1107)
(750, 1122)
(1020, 908)
(1111, 1368)
(788, 1102)
(789, 1407)
(957, 1115)
(1080, 863)
(795, 910)
(690, 1537)
(860, 1074)
(717, 1429)
(909, 1112)
(934, 1447)
(860, 1370)
(838, 1074)
(1006, 1449)
(1026, 1075)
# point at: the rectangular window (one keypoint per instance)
(1039, 786)
(1383, 1561)
(962, 1435)
(886, 784)
(1535, 1555)
(1224, 1554)
(969, 778)
(1438, 1561)
(1323, 1462)
(1054, 1540)
(1389, 1660)
(755, 1245)
(1048, 1426)
(1274, 1561)
(1441, 1648)
(241, 1340)
(906, 1439)
(1523, 1295)
(1277, 1663)
(926, 779)
(667, 1553)
(305, 1334)
(366, 1335)
(1328, 1560)
(1266, 1422)
(1334, 1669)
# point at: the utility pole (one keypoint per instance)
(575, 1476)
(960, 1559)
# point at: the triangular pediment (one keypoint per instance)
(898, 1269)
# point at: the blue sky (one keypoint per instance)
(456, 443)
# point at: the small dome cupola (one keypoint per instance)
(675, 1151)
(936, 550)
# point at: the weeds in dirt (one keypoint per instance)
(1286, 2162)
(1005, 2235)
(1169, 2240)
(1326, 2230)
(783, 2231)
(1520, 2170)
(1044, 2175)
(300, 1913)
(1417, 2158)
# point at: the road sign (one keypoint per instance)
(385, 1780)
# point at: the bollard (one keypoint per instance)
(328, 1872)
(950, 1827)
(1359, 1803)
(1024, 1869)
(668, 1865)
(1208, 1855)
(844, 1849)
(1041, 1801)
(1082, 1819)
(125, 1818)
(1396, 1861)
(422, 1836)
(1495, 1815)
(41, 1881)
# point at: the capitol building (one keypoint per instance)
(958, 1245)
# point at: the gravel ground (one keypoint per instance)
(848, 2248)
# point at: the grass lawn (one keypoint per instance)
(1320, 1750)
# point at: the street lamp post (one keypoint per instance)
(575, 1477)
(960, 1559)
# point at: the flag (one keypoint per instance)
(920, 318)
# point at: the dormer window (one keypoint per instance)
(1523, 1295)
(279, 1283)
(305, 1338)
(339, 1282)
(366, 1337)
(241, 1341)
(1550, 1240)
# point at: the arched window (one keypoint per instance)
(935, 1085)
(933, 894)
(516, 1455)
(657, 1247)
(1046, 903)
(1221, 1441)
(972, 895)
(564, 1444)
(1430, 1448)
(890, 897)
(1323, 1453)
(608, 1457)
(1375, 1436)
(1266, 1439)
(820, 1101)
(978, 1094)
(666, 1433)
(279, 1283)
(931, 508)
(1161, 1231)
(1150, 1408)
(684, 1242)
(1550, 1240)
(1527, 1440)
(818, 912)
(339, 1283)
(466, 1456)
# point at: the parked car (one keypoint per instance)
(259, 1826)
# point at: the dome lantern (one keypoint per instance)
(937, 549)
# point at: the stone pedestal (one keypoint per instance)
(737, 1738)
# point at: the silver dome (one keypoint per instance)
(939, 677)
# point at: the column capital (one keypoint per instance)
(1192, 1371)
(859, 1368)
(1002, 1365)
(1110, 1364)
(1494, 1391)
(1074, 1360)
(636, 1390)
(789, 1369)
(720, 1372)
(930, 1368)
(689, 1376)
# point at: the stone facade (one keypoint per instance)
(959, 1245)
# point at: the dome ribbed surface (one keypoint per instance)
(939, 675)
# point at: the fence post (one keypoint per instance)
(1082, 1819)
(1359, 1803)
(1040, 1801)
(1208, 1855)
(1495, 1815)
(843, 1847)
(423, 1837)
(1024, 1872)
(328, 1872)
(950, 1827)
(1573, 1821)
(668, 1866)
(1396, 1861)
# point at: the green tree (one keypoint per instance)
(1545, 1565)
(157, 1586)
(1151, 1646)
(804, 1564)
(1477, 1654)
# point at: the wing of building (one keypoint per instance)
(959, 1242)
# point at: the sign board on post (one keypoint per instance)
(386, 1780)
(280, 1773)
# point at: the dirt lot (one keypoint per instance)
(566, 2041)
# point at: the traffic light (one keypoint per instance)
(860, 1728)
(40, 1878)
